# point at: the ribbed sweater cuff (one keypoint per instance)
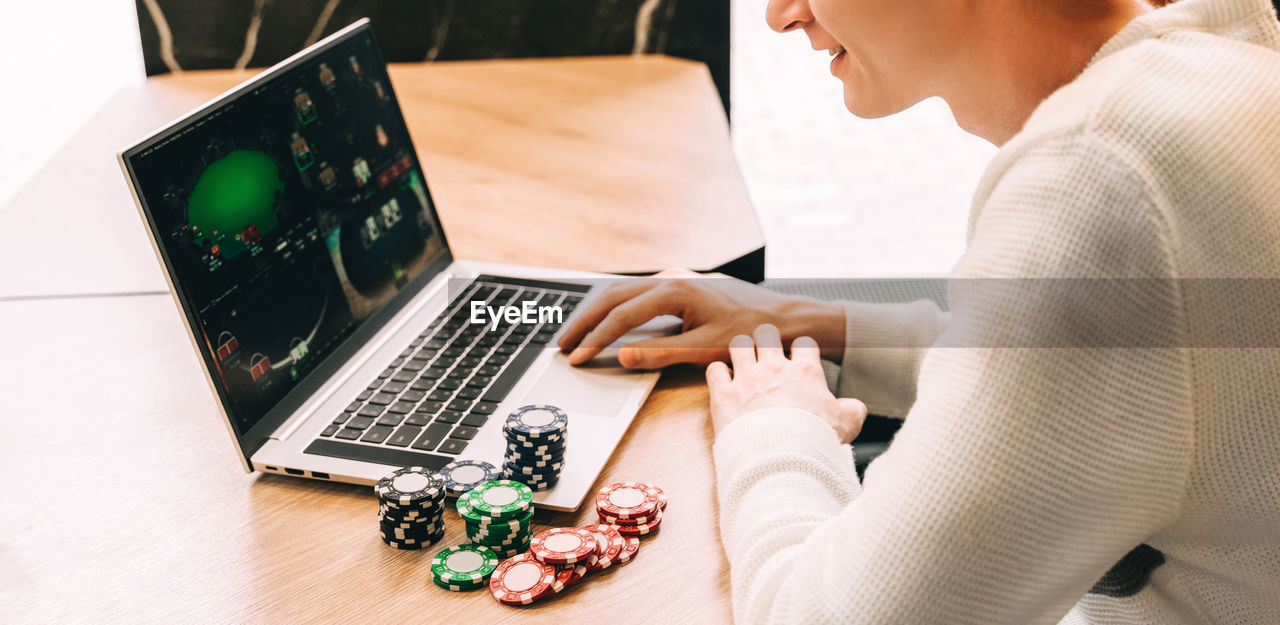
(747, 440)
(884, 344)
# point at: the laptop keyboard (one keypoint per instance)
(439, 391)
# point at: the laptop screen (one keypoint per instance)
(289, 214)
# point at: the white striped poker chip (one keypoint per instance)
(464, 564)
(569, 574)
(537, 421)
(521, 580)
(499, 499)
(410, 486)
(613, 520)
(533, 481)
(563, 545)
(609, 545)
(519, 441)
(411, 535)
(629, 549)
(487, 523)
(534, 469)
(461, 476)
(642, 529)
(626, 500)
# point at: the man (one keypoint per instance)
(1093, 435)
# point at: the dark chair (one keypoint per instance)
(210, 34)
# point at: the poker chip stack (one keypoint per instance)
(464, 567)
(498, 516)
(410, 505)
(634, 508)
(536, 436)
(461, 476)
(557, 559)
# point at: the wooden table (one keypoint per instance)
(616, 164)
(121, 500)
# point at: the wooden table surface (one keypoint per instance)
(121, 499)
(613, 164)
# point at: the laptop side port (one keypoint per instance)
(294, 471)
(323, 476)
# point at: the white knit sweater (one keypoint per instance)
(1024, 474)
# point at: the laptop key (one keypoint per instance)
(364, 395)
(449, 384)
(393, 387)
(449, 416)
(418, 418)
(349, 433)
(401, 407)
(359, 423)
(464, 432)
(404, 376)
(470, 392)
(342, 418)
(330, 430)
(413, 365)
(432, 373)
(475, 419)
(386, 373)
(412, 395)
(440, 395)
(382, 399)
(479, 381)
(431, 436)
(423, 384)
(372, 410)
(377, 434)
(430, 406)
(489, 370)
(391, 419)
(485, 407)
(353, 406)
(452, 446)
(404, 436)
(470, 362)
(460, 405)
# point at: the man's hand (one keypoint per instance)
(763, 377)
(713, 311)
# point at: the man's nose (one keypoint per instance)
(787, 15)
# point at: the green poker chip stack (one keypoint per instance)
(464, 567)
(498, 515)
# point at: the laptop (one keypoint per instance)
(335, 327)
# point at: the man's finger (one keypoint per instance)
(768, 343)
(590, 316)
(742, 353)
(805, 349)
(718, 378)
(697, 346)
(622, 319)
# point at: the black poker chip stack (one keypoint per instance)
(410, 508)
(536, 443)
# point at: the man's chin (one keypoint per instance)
(866, 104)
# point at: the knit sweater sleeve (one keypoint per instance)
(884, 345)
(1026, 467)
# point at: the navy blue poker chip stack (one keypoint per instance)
(536, 436)
(410, 508)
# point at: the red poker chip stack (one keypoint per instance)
(633, 508)
(561, 557)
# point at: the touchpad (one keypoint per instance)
(576, 390)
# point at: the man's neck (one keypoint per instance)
(1020, 60)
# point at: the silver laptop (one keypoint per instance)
(340, 336)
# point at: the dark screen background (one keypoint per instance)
(288, 216)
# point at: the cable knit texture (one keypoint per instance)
(1044, 485)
